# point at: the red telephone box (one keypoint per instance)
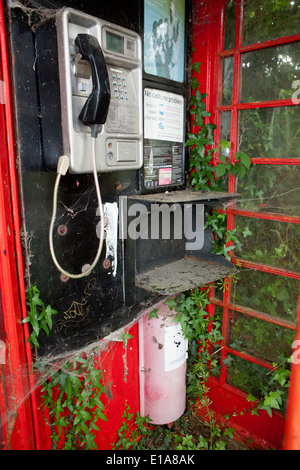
(236, 45)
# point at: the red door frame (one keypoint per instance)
(15, 380)
(208, 44)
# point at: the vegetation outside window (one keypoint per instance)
(258, 110)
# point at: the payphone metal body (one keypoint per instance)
(119, 142)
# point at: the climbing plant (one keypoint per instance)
(72, 394)
(224, 240)
(204, 175)
(38, 315)
(203, 332)
(71, 390)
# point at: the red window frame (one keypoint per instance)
(208, 33)
(231, 211)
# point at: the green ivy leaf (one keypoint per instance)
(153, 314)
(251, 398)
(244, 158)
(171, 303)
(194, 83)
(220, 170)
(196, 66)
(224, 144)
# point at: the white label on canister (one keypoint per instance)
(175, 347)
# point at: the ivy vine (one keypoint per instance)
(204, 175)
(72, 390)
(203, 332)
(72, 394)
(38, 315)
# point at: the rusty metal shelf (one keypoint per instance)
(185, 196)
(184, 274)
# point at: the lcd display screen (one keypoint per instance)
(114, 42)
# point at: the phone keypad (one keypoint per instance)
(119, 87)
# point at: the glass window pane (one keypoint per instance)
(270, 188)
(248, 377)
(227, 80)
(216, 351)
(225, 125)
(270, 132)
(270, 19)
(218, 290)
(260, 338)
(268, 74)
(229, 25)
(268, 293)
(269, 242)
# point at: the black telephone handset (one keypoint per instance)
(95, 110)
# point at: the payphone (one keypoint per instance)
(101, 105)
(101, 84)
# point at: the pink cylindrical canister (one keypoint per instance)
(163, 354)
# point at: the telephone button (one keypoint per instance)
(121, 152)
(127, 151)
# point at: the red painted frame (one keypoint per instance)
(236, 106)
(209, 50)
(14, 382)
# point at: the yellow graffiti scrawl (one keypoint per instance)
(77, 313)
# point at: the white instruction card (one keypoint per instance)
(163, 115)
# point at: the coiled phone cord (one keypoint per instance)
(62, 168)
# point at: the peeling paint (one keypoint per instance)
(110, 210)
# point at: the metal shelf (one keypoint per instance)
(187, 269)
(184, 274)
(185, 196)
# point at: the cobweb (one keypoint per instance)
(31, 378)
(21, 384)
(38, 12)
(285, 202)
